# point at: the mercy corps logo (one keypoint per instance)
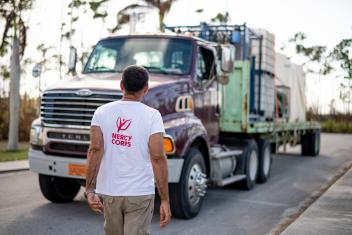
(122, 124)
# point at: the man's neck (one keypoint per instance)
(129, 97)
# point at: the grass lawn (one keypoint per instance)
(6, 155)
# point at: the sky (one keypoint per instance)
(325, 22)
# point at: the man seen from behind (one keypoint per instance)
(125, 155)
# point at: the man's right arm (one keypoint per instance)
(95, 155)
(159, 162)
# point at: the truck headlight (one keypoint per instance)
(36, 134)
(169, 144)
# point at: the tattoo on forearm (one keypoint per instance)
(94, 160)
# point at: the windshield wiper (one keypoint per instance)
(101, 69)
(155, 69)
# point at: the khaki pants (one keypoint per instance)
(127, 215)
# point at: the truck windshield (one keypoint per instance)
(157, 55)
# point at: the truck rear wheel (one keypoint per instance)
(250, 156)
(310, 143)
(186, 197)
(265, 160)
(58, 189)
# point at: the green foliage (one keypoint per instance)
(6, 155)
(221, 18)
(76, 3)
(45, 58)
(343, 54)
(316, 55)
(333, 123)
(28, 112)
(95, 7)
(4, 118)
(73, 6)
(4, 72)
(333, 126)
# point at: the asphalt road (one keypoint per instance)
(23, 210)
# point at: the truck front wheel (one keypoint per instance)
(58, 189)
(186, 197)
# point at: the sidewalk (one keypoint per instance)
(331, 214)
(14, 166)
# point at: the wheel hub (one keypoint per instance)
(267, 160)
(197, 184)
(253, 165)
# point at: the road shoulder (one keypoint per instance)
(330, 214)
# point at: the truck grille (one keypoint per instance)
(67, 108)
(67, 149)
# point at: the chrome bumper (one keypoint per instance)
(58, 166)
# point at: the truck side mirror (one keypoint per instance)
(72, 60)
(227, 58)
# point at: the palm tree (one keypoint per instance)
(124, 15)
(15, 31)
(163, 8)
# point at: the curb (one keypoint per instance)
(13, 166)
(13, 170)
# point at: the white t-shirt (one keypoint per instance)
(125, 169)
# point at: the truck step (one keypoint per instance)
(219, 155)
(231, 180)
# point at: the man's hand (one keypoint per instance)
(165, 213)
(95, 203)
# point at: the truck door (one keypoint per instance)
(206, 92)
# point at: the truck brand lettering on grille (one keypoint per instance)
(84, 92)
(68, 136)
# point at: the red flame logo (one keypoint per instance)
(122, 124)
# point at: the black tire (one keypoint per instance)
(310, 143)
(250, 180)
(273, 148)
(265, 161)
(58, 189)
(181, 207)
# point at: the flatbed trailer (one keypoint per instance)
(235, 117)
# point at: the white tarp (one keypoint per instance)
(292, 75)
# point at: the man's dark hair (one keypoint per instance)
(134, 78)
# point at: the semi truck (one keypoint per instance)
(211, 84)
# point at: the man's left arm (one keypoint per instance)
(95, 155)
